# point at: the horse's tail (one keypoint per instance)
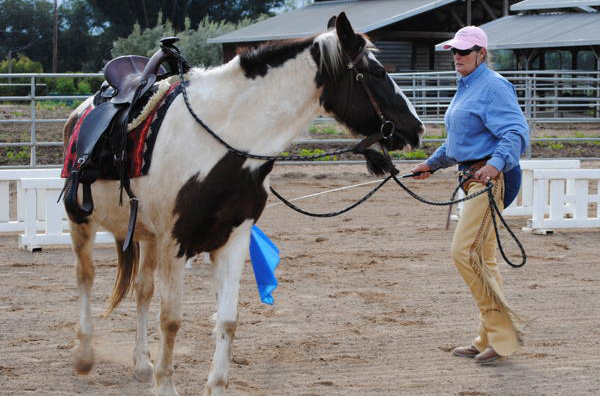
(127, 267)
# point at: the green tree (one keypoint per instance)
(121, 15)
(26, 27)
(82, 44)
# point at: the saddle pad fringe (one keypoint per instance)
(152, 103)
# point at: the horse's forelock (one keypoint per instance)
(332, 56)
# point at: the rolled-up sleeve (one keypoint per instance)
(439, 159)
(505, 120)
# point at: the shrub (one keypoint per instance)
(21, 64)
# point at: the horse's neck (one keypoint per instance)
(261, 115)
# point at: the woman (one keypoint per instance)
(487, 133)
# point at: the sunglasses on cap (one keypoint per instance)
(464, 52)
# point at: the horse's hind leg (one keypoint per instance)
(82, 236)
(229, 262)
(144, 289)
(170, 284)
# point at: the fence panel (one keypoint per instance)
(560, 96)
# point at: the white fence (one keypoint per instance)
(572, 197)
(554, 193)
(523, 204)
(38, 214)
(558, 96)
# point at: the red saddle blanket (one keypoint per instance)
(140, 141)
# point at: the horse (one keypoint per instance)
(198, 196)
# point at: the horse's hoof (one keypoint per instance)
(166, 390)
(144, 374)
(83, 359)
(215, 391)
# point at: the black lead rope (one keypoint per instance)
(494, 210)
(488, 189)
(512, 234)
(359, 148)
(331, 214)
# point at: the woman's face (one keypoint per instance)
(465, 64)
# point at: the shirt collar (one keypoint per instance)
(469, 78)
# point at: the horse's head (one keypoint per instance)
(359, 92)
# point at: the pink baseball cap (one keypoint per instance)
(468, 37)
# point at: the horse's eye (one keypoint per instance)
(380, 73)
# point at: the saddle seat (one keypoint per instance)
(126, 73)
(130, 73)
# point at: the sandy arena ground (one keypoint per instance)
(368, 304)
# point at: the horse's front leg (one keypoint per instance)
(82, 237)
(144, 289)
(170, 283)
(229, 262)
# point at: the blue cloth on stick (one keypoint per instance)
(265, 258)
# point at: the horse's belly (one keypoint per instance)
(114, 217)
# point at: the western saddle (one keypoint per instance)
(128, 78)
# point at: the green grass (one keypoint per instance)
(22, 154)
(308, 152)
(52, 105)
(409, 155)
(323, 130)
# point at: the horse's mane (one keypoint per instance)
(256, 61)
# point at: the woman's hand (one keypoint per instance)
(485, 174)
(424, 169)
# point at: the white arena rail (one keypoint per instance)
(523, 204)
(53, 232)
(577, 206)
(38, 214)
(15, 175)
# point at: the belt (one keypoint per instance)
(467, 170)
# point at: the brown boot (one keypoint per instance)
(466, 352)
(488, 356)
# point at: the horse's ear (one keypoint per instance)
(346, 33)
(331, 22)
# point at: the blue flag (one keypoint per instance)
(265, 258)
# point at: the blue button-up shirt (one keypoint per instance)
(483, 120)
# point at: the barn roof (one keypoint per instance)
(531, 5)
(365, 16)
(542, 31)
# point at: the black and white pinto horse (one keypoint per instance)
(200, 197)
